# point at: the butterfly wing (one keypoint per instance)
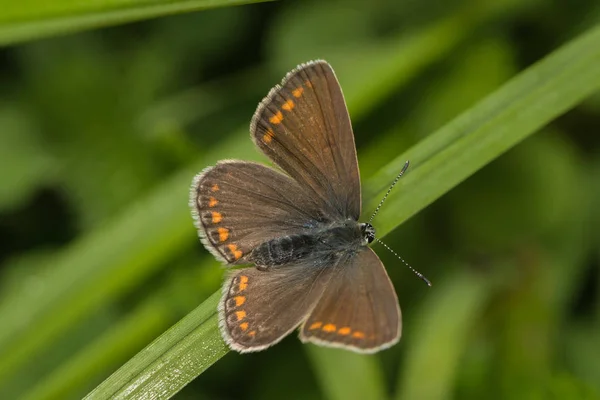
(238, 205)
(260, 308)
(359, 309)
(304, 127)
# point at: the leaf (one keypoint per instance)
(31, 19)
(91, 364)
(521, 107)
(174, 360)
(450, 155)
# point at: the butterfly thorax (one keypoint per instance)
(316, 245)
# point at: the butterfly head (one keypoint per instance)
(368, 233)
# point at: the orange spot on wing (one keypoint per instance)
(315, 325)
(216, 217)
(358, 335)
(212, 202)
(252, 333)
(308, 84)
(288, 105)
(240, 315)
(344, 331)
(277, 118)
(237, 254)
(243, 284)
(297, 92)
(215, 188)
(223, 234)
(239, 300)
(268, 136)
(329, 328)
(244, 326)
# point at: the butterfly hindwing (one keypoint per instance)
(304, 127)
(259, 308)
(359, 310)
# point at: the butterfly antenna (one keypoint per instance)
(417, 273)
(420, 275)
(389, 190)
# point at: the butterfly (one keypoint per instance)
(298, 225)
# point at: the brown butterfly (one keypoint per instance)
(299, 226)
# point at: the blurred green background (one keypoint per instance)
(102, 131)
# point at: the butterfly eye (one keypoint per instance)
(368, 232)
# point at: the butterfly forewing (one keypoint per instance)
(238, 205)
(304, 127)
(359, 310)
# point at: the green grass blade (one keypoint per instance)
(521, 107)
(93, 363)
(74, 374)
(26, 20)
(171, 361)
(518, 109)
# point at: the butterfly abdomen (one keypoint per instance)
(283, 250)
(320, 245)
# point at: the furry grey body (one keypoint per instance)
(329, 242)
